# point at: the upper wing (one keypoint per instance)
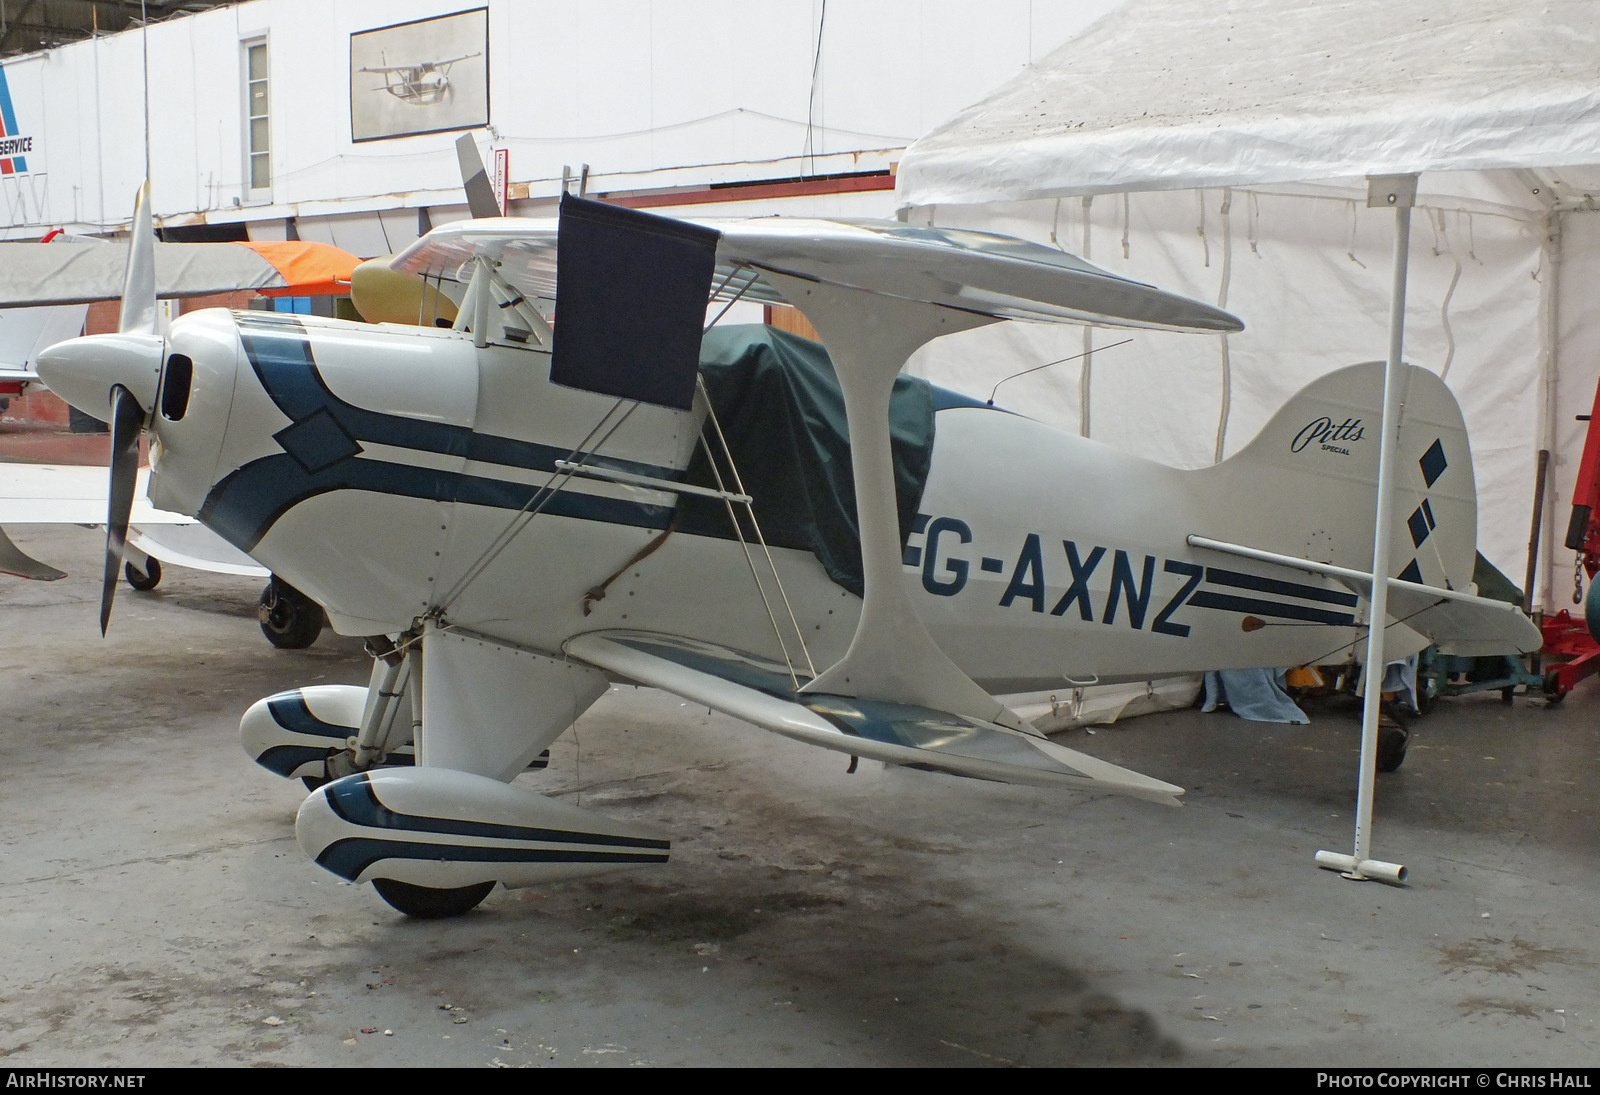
(974, 272)
(759, 692)
(82, 273)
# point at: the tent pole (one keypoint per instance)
(1398, 192)
(1550, 288)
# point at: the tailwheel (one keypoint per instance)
(1392, 742)
(1393, 737)
(427, 903)
(143, 580)
(289, 619)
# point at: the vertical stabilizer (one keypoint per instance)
(1306, 486)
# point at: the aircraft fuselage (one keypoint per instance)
(380, 469)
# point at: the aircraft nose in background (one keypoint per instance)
(84, 370)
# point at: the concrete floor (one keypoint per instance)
(155, 909)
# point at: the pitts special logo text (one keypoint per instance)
(1326, 434)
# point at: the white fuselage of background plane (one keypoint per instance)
(374, 467)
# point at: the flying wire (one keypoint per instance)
(1060, 361)
(519, 520)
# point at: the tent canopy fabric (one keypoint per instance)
(1217, 148)
(34, 274)
(1179, 94)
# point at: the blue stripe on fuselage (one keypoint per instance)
(248, 501)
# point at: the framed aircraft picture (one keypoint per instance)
(420, 77)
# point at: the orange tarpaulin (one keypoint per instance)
(311, 269)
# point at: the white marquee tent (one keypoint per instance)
(1220, 148)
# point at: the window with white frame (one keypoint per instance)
(258, 144)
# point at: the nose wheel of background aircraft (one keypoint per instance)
(427, 903)
(143, 580)
(289, 619)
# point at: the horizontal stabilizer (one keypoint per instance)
(13, 560)
(759, 692)
(1460, 623)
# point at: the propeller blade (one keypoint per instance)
(127, 418)
(138, 315)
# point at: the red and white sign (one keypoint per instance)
(502, 177)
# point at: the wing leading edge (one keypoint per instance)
(759, 692)
(976, 272)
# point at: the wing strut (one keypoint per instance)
(892, 657)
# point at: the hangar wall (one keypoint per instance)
(651, 94)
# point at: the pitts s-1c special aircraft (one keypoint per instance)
(521, 509)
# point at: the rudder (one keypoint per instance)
(1306, 485)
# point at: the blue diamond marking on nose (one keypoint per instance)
(1433, 462)
(317, 441)
(1412, 573)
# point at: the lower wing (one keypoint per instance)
(760, 692)
(71, 494)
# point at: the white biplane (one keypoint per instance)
(519, 510)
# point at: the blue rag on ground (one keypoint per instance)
(1254, 694)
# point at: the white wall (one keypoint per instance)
(648, 92)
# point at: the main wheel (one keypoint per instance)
(427, 903)
(143, 580)
(289, 619)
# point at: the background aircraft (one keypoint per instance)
(44, 292)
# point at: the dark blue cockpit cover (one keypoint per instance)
(779, 403)
(631, 292)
